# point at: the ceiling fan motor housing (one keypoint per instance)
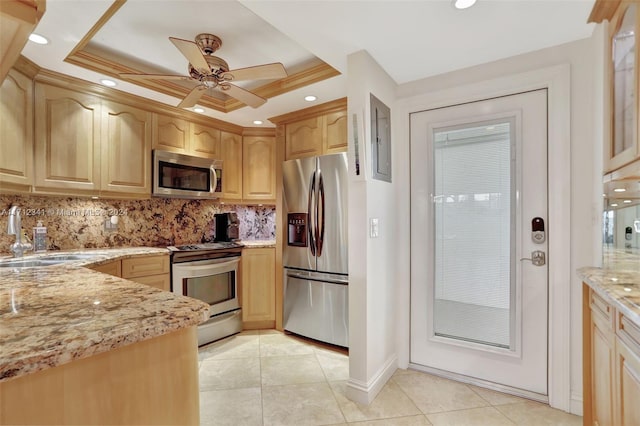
(208, 43)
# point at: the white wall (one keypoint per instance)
(585, 198)
(372, 261)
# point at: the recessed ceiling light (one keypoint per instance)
(619, 190)
(108, 83)
(198, 109)
(463, 4)
(257, 121)
(38, 39)
(627, 201)
(614, 205)
(310, 98)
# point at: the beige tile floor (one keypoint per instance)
(268, 378)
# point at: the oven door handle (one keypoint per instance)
(213, 268)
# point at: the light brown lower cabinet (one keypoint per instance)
(611, 364)
(258, 281)
(149, 270)
(150, 382)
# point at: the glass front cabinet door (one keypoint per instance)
(624, 147)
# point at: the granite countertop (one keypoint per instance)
(618, 281)
(56, 314)
(258, 243)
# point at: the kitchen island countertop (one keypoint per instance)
(56, 314)
(617, 281)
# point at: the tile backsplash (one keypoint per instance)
(74, 223)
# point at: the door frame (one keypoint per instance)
(557, 80)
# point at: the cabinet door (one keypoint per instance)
(258, 168)
(602, 368)
(161, 281)
(335, 128)
(304, 138)
(126, 149)
(628, 370)
(67, 140)
(231, 166)
(623, 147)
(16, 132)
(170, 133)
(258, 287)
(145, 266)
(205, 141)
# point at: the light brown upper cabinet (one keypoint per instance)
(17, 19)
(67, 140)
(170, 133)
(204, 141)
(231, 147)
(335, 132)
(317, 130)
(258, 168)
(304, 138)
(623, 82)
(126, 149)
(16, 132)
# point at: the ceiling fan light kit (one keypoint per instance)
(212, 72)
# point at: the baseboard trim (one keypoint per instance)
(365, 392)
(576, 405)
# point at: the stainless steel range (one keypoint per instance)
(209, 272)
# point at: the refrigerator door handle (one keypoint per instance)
(311, 214)
(320, 207)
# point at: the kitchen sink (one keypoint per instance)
(68, 257)
(29, 263)
(45, 261)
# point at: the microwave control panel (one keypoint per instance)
(297, 229)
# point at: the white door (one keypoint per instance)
(478, 181)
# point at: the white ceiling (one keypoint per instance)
(409, 39)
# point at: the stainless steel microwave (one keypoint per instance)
(185, 176)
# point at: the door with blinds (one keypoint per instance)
(478, 242)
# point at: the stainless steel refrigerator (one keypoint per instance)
(315, 250)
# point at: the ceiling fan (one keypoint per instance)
(212, 72)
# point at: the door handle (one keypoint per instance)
(312, 214)
(320, 207)
(538, 258)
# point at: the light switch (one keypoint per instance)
(374, 229)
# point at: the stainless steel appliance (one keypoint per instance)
(315, 253)
(209, 272)
(227, 226)
(185, 176)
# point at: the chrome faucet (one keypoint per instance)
(15, 228)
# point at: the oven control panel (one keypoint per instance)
(297, 229)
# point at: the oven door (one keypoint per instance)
(213, 281)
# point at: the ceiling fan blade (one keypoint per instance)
(154, 77)
(242, 95)
(192, 52)
(259, 72)
(193, 97)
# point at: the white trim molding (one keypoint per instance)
(365, 393)
(557, 79)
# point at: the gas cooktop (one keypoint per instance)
(221, 245)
